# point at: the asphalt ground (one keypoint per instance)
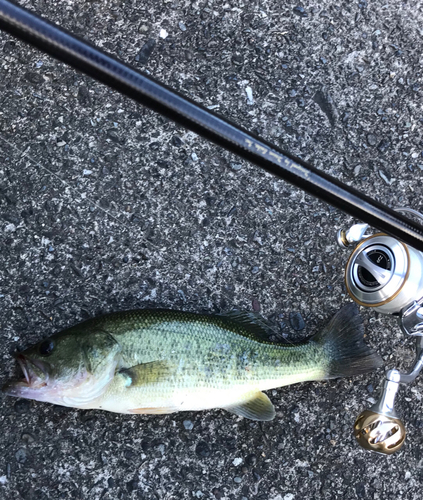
(106, 206)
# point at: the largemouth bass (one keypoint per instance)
(160, 361)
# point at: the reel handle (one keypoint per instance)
(379, 429)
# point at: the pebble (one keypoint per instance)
(22, 406)
(296, 321)
(237, 461)
(236, 166)
(371, 139)
(132, 485)
(255, 270)
(383, 145)
(146, 50)
(202, 449)
(21, 456)
(249, 92)
(292, 92)
(237, 59)
(237, 480)
(256, 475)
(255, 305)
(299, 11)
(28, 438)
(177, 141)
(370, 388)
(217, 494)
(182, 26)
(251, 460)
(188, 425)
(386, 177)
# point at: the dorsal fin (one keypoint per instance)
(251, 321)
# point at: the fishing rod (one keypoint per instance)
(105, 68)
(382, 272)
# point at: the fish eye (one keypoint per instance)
(46, 348)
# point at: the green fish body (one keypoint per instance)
(160, 361)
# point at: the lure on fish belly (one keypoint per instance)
(160, 361)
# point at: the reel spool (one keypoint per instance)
(386, 275)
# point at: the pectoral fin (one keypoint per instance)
(258, 407)
(145, 374)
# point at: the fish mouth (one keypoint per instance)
(35, 376)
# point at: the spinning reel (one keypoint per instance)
(387, 275)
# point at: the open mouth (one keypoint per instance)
(34, 371)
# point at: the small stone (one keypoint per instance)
(237, 461)
(111, 482)
(194, 157)
(360, 490)
(202, 449)
(251, 460)
(236, 166)
(372, 139)
(255, 270)
(299, 11)
(177, 141)
(28, 438)
(237, 59)
(237, 480)
(21, 456)
(217, 494)
(383, 145)
(147, 49)
(292, 92)
(132, 485)
(256, 305)
(249, 92)
(182, 26)
(22, 406)
(256, 475)
(188, 425)
(296, 321)
(370, 388)
(34, 77)
(386, 177)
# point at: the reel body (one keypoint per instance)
(386, 275)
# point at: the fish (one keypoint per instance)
(164, 361)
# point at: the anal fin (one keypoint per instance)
(258, 407)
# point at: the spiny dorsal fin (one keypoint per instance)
(251, 321)
(258, 407)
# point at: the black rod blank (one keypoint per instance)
(108, 70)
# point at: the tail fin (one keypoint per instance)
(342, 340)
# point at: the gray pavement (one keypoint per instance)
(106, 206)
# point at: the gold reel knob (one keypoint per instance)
(378, 432)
